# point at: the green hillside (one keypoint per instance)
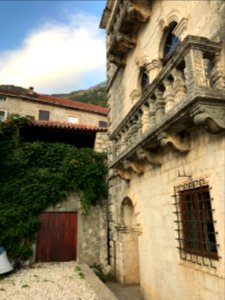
(95, 95)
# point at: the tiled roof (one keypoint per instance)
(58, 101)
(67, 126)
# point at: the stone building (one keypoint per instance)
(166, 96)
(60, 116)
(65, 233)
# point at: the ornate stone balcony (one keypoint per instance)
(188, 91)
(127, 18)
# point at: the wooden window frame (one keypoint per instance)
(198, 222)
(195, 224)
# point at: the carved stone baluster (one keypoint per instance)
(123, 145)
(160, 106)
(218, 73)
(145, 120)
(129, 134)
(152, 111)
(195, 70)
(169, 95)
(133, 132)
(112, 152)
(115, 147)
(126, 142)
(118, 145)
(139, 123)
(178, 85)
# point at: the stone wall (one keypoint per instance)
(101, 142)
(163, 274)
(92, 230)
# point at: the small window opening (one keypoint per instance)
(102, 124)
(144, 80)
(2, 115)
(171, 43)
(43, 115)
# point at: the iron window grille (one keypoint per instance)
(195, 225)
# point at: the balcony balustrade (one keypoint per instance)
(189, 90)
(127, 18)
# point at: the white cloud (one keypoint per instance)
(56, 57)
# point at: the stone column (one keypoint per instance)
(195, 70)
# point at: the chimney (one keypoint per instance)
(31, 90)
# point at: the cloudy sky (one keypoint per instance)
(54, 46)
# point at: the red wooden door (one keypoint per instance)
(57, 237)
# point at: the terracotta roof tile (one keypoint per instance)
(68, 126)
(59, 101)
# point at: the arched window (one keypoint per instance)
(171, 41)
(144, 79)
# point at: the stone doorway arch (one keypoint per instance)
(128, 235)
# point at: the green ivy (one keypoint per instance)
(39, 174)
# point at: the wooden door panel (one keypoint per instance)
(57, 237)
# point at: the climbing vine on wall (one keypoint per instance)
(36, 175)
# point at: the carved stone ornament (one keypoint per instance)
(142, 61)
(173, 141)
(149, 157)
(126, 40)
(213, 121)
(116, 60)
(138, 12)
(123, 173)
(181, 27)
(137, 167)
(135, 95)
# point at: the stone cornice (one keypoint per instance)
(183, 117)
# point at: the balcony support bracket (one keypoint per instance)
(174, 141)
(149, 157)
(210, 123)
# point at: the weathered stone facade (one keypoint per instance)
(167, 146)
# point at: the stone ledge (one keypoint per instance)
(103, 292)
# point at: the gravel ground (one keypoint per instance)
(47, 281)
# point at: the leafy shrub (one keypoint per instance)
(36, 175)
(98, 270)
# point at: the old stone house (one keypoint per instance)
(65, 233)
(166, 95)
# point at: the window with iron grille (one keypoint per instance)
(196, 232)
